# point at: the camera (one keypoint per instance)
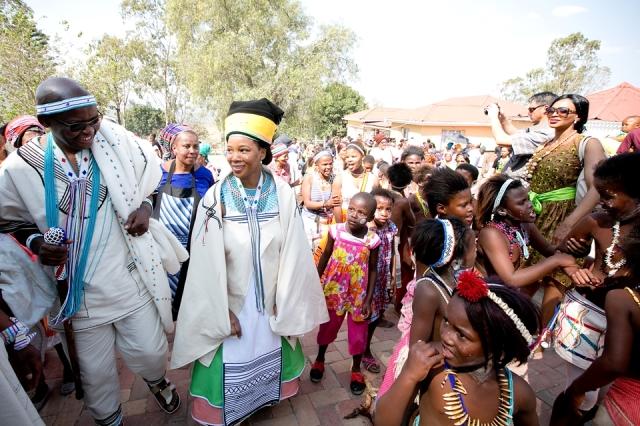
(486, 111)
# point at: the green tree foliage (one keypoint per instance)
(26, 59)
(572, 66)
(166, 81)
(231, 50)
(144, 119)
(115, 69)
(334, 102)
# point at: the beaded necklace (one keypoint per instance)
(456, 410)
(539, 155)
(608, 258)
(516, 236)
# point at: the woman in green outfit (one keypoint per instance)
(553, 173)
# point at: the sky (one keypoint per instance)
(411, 53)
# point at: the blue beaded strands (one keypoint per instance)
(76, 229)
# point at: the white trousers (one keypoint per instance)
(141, 341)
(16, 408)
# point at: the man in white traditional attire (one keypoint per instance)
(252, 285)
(92, 179)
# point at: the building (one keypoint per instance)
(441, 122)
(609, 107)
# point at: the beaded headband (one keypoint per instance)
(320, 155)
(65, 105)
(500, 196)
(473, 288)
(448, 245)
(356, 147)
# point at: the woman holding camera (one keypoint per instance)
(553, 173)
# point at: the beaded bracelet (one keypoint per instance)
(17, 334)
(31, 238)
(147, 201)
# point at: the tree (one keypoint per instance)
(144, 119)
(572, 66)
(167, 80)
(257, 48)
(334, 102)
(115, 69)
(26, 59)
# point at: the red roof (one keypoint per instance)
(614, 104)
(468, 110)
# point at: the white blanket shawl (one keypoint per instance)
(203, 321)
(131, 172)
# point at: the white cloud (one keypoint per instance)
(568, 10)
(533, 15)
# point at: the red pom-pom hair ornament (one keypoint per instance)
(471, 286)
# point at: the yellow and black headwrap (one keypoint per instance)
(257, 120)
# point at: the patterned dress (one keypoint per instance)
(346, 276)
(261, 368)
(383, 279)
(558, 170)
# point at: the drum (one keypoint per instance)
(580, 330)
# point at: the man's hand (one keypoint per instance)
(561, 232)
(49, 254)
(235, 325)
(493, 110)
(138, 221)
(28, 363)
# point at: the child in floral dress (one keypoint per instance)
(348, 270)
(386, 231)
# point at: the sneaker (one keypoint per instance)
(370, 364)
(357, 385)
(317, 371)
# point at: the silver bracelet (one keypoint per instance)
(30, 240)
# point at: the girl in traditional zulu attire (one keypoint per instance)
(251, 282)
(464, 380)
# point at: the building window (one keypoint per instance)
(451, 137)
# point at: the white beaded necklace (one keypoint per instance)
(608, 258)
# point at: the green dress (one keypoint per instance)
(557, 170)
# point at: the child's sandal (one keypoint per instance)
(370, 364)
(357, 385)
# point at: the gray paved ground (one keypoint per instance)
(316, 404)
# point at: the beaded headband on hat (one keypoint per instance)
(500, 196)
(65, 105)
(278, 150)
(448, 245)
(473, 288)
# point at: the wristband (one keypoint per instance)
(17, 334)
(147, 201)
(30, 240)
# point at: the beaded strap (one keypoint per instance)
(633, 294)
(17, 334)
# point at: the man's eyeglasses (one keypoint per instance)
(80, 125)
(531, 109)
(562, 111)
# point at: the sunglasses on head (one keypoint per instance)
(531, 109)
(561, 111)
(80, 125)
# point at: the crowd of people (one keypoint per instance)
(110, 242)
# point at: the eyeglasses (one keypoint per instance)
(80, 125)
(531, 109)
(562, 111)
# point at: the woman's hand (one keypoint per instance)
(49, 254)
(584, 278)
(366, 308)
(578, 247)
(561, 232)
(138, 221)
(236, 330)
(422, 358)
